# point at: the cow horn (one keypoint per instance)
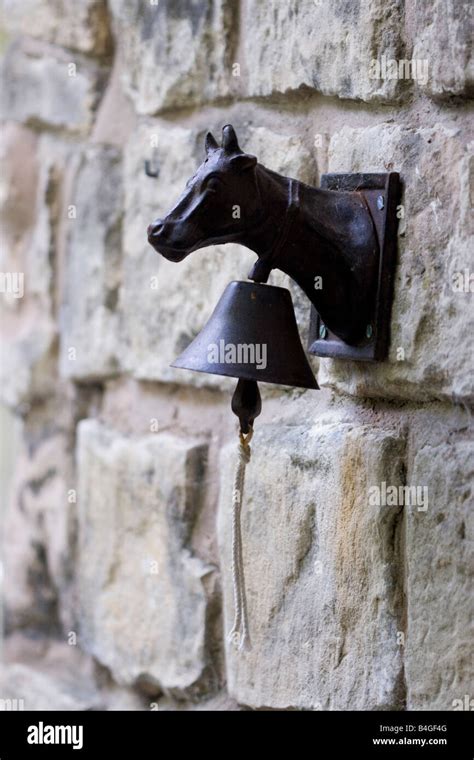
(229, 139)
(210, 143)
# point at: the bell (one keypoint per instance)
(251, 334)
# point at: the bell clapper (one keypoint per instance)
(246, 403)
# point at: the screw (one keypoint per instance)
(322, 331)
(368, 331)
(380, 202)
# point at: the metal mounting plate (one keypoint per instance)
(382, 194)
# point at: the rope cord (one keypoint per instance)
(239, 635)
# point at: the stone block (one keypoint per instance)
(431, 311)
(142, 605)
(443, 38)
(45, 86)
(25, 688)
(33, 171)
(80, 25)
(49, 674)
(39, 526)
(176, 53)
(322, 566)
(89, 324)
(439, 574)
(328, 47)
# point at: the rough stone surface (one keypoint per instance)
(443, 37)
(37, 564)
(115, 115)
(220, 703)
(438, 660)
(50, 675)
(324, 617)
(89, 319)
(29, 208)
(36, 691)
(116, 581)
(324, 46)
(142, 602)
(80, 25)
(39, 90)
(176, 53)
(429, 315)
(164, 304)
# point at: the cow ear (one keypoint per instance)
(210, 143)
(243, 161)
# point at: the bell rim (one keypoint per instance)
(251, 376)
(252, 284)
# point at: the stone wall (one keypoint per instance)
(116, 538)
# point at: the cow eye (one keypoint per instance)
(212, 185)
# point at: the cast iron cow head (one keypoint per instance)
(311, 234)
(221, 201)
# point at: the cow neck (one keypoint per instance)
(268, 260)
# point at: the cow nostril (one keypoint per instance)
(155, 228)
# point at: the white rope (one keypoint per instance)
(239, 635)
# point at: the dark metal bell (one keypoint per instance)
(251, 334)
